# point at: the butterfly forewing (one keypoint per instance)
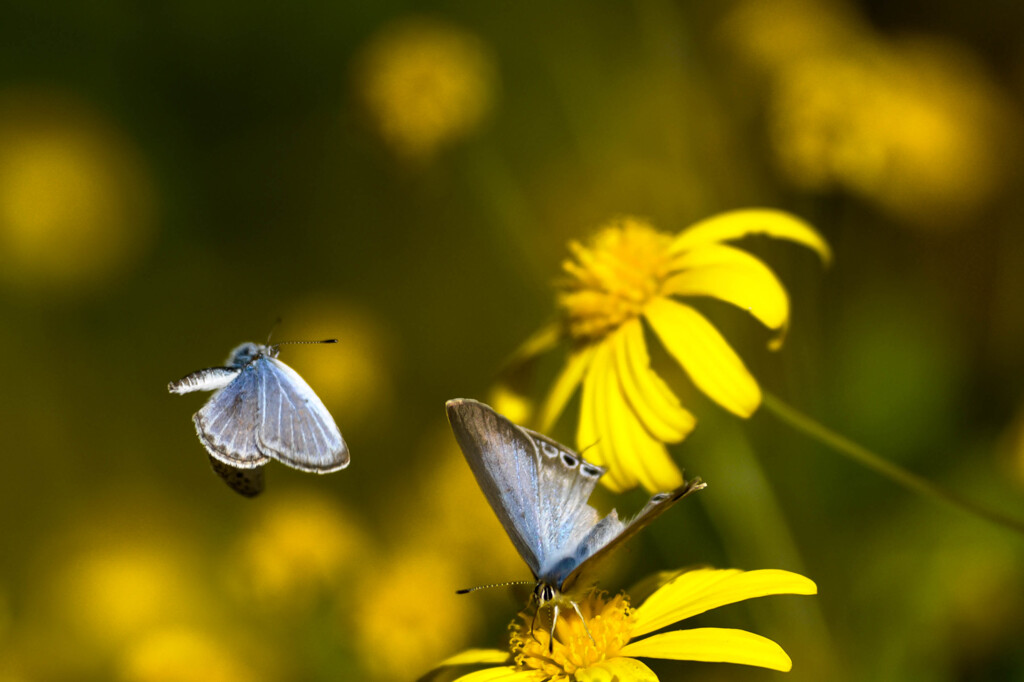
(209, 379)
(226, 424)
(294, 425)
(539, 490)
(505, 461)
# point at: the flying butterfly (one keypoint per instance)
(539, 489)
(262, 410)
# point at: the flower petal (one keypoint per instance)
(709, 360)
(637, 454)
(507, 401)
(504, 674)
(735, 277)
(596, 434)
(715, 645)
(476, 657)
(538, 343)
(565, 385)
(618, 669)
(649, 397)
(704, 589)
(736, 224)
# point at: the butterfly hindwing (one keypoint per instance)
(611, 532)
(566, 481)
(226, 424)
(248, 482)
(294, 425)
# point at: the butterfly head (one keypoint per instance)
(545, 593)
(247, 352)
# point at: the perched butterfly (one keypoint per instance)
(539, 491)
(262, 410)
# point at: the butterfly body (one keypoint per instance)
(262, 409)
(539, 490)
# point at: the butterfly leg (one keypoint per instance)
(554, 621)
(533, 625)
(584, 621)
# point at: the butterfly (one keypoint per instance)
(262, 410)
(539, 489)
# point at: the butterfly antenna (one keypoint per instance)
(276, 346)
(592, 445)
(485, 587)
(285, 343)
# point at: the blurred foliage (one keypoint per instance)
(175, 177)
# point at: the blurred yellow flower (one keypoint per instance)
(110, 593)
(772, 35)
(631, 274)
(298, 547)
(615, 634)
(916, 129)
(425, 83)
(434, 514)
(407, 614)
(353, 378)
(915, 126)
(75, 199)
(182, 655)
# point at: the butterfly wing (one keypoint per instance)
(294, 425)
(204, 380)
(248, 482)
(226, 424)
(537, 488)
(611, 532)
(566, 483)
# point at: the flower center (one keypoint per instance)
(610, 281)
(610, 623)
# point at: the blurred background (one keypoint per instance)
(175, 177)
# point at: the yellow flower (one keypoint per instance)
(618, 633)
(296, 550)
(916, 128)
(402, 620)
(353, 378)
(179, 654)
(425, 83)
(75, 197)
(629, 275)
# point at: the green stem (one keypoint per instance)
(893, 472)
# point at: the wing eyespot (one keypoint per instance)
(548, 449)
(590, 470)
(569, 461)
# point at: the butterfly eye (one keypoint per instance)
(569, 460)
(548, 449)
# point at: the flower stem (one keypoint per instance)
(893, 472)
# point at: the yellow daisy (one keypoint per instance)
(425, 83)
(631, 274)
(616, 634)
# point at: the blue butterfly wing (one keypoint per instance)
(248, 482)
(227, 423)
(537, 488)
(294, 425)
(505, 463)
(611, 532)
